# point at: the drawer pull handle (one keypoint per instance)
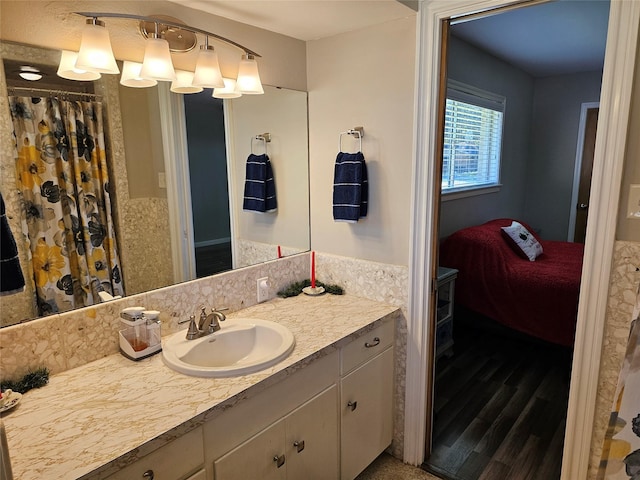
(376, 342)
(299, 445)
(279, 460)
(148, 474)
(352, 405)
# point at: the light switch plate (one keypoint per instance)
(633, 210)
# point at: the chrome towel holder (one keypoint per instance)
(357, 132)
(264, 138)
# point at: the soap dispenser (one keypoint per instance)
(141, 337)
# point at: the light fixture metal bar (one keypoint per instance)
(168, 23)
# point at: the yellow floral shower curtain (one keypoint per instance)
(62, 176)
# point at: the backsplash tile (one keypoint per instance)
(69, 340)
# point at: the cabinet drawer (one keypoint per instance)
(367, 346)
(173, 461)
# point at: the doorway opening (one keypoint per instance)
(206, 145)
(499, 410)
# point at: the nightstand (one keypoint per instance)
(444, 315)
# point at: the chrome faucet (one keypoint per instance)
(207, 324)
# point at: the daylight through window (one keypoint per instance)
(472, 138)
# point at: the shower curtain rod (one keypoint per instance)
(61, 93)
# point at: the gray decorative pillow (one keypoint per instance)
(524, 240)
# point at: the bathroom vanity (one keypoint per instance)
(324, 412)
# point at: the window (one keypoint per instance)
(472, 138)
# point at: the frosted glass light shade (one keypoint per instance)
(32, 76)
(207, 72)
(131, 76)
(229, 90)
(248, 77)
(157, 61)
(67, 68)
(95, 53)
(184, 83)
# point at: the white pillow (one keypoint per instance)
(524, 240)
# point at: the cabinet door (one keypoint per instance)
(260, 457)
(312, 438)
(173, 461)
(366, 414)
(200, 475)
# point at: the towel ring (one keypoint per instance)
(264, 138)
(355, 132)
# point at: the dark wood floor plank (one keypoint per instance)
(526, 463)
(475, 401)
(495, 471)
(489, 444)
(503, 396)
(473, 466)
(503, 413)
(521, 431)
(464, 445)
(551, 464)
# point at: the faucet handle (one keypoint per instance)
(192, 331)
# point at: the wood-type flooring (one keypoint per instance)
(500, 409)
(213, 259)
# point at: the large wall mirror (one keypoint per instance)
(177, 166)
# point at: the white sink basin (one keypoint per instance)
(241, 346)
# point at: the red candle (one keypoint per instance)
(313, 269)
(279, 252)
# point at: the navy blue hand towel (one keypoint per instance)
(350, 187)
(11, 278)
(259, 185)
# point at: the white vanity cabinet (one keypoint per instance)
(366, 400)
(301, 446)
(328, 420)
(243, 441)
(181, 459)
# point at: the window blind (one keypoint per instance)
(472, 139)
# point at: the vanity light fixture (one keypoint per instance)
(207, 72)
(170, 35)
(95, 53)
(131, 76)
(184, 83)
(157, 59)
(229, 90)
(68, 69)
(248, 77)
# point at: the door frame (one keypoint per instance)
(611, 137)
(578, 167)
(176, 165)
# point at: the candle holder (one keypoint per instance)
(313, 291)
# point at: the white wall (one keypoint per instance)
(364, 78)
(283, 114)
(554, 135)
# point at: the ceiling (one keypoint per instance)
(305, 19)
(559, 37)
(554, 38)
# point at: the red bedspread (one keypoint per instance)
(537, 298)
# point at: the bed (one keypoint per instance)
(538, 298)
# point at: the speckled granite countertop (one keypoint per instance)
(91, 420)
